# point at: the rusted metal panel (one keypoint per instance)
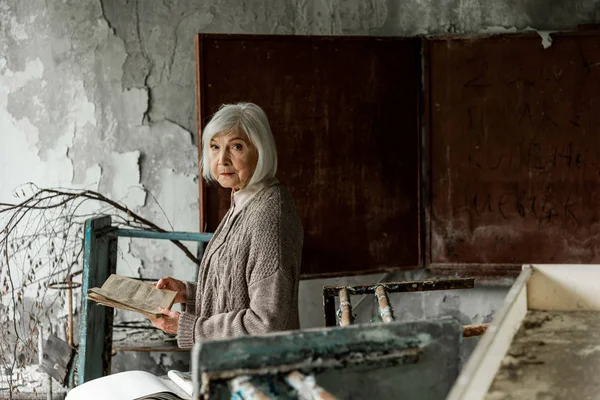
(514, 150)
(345, 116)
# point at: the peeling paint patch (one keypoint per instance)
(360, 17)
(546, 38)
(20, 138)
(32, 135)
(29, 103)
(123, 178)
(17, 30)
(588, 351)
(162, 359)
(498, 30)
(33, 70)
(92, 178)
(318, 18)
(175, 187)
(545, 35)
(174, 191)
(127, 263)
(80, 108)
(135, 102)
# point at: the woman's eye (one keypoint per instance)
(214, 147)
(238, 147)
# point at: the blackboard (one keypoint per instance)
(513, 150)
(345, 116)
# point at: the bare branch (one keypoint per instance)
(41, 240)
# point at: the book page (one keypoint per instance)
(127, 385)
(101, 300)
(135, 294)
(175, 388)
(183, 380)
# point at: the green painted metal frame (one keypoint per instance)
(100, 260)
(366, 347)
(185, 236)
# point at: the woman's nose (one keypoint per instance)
(224, 158)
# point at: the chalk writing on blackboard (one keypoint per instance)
(545, 207)
(539, 158)
(553, 183)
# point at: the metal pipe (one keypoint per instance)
(345, 308)
(149, 349)
(242, 388)
(474, 330)
(49, 382)
(70, 292)
(331, 292)
(185, 236)
(307, 387)
(385, 310)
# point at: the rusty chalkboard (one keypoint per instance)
(514, 150)
(345, 116)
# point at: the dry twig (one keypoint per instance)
(43, 235)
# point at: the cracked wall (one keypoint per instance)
(100, 94)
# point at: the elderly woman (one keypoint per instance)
(248, 279)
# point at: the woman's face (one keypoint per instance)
(232, 159)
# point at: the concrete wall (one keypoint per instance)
(101, 94)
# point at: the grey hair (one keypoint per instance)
(250, 119)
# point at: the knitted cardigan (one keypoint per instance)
(248, 278)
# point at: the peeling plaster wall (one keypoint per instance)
(67, 119)
(100, 94)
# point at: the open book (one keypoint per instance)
(134, 385)
(132, 295)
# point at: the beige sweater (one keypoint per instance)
(248, 279)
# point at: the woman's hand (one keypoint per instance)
(169, 322)
(174, 285)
